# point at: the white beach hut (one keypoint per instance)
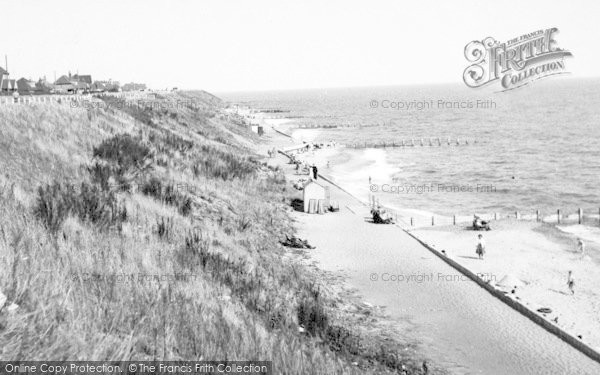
(316, 197)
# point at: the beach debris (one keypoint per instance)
(545, 310)
(510, 281)
(334, 206)
(296, 243)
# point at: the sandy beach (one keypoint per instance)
(536, 255)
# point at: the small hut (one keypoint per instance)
(316, 197)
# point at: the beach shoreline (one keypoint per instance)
(578, 318)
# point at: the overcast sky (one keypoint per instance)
(258, 45)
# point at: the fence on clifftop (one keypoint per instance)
(65, 99)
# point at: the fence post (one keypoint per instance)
(558, 216)
(580, 215)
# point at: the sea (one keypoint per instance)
(466, 151)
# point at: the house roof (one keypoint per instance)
(64, 80)
(83, 78)
(25, 85)
(313, 182)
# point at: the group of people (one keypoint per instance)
(380, 216)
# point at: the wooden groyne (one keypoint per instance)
(334, 126)
(578, 216)
(415, 142)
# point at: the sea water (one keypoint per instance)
(535, 148)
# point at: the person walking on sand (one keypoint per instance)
(571, 282)
(315, 170)
(480, 250)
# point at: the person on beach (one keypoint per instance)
(369, 180)
(315, 170)
(571, 282)
(480, 250)
(581, 247)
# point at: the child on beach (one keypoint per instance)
(480, 250)
(571, 282)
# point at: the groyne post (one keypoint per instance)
(558, 216)
(454, 219)
(537, 215)
(517, 215)
(411, 222)
(432, 220)
(580, 212)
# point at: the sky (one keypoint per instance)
(240, 45)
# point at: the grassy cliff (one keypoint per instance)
(151, 231)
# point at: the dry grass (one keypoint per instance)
(193, 270)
